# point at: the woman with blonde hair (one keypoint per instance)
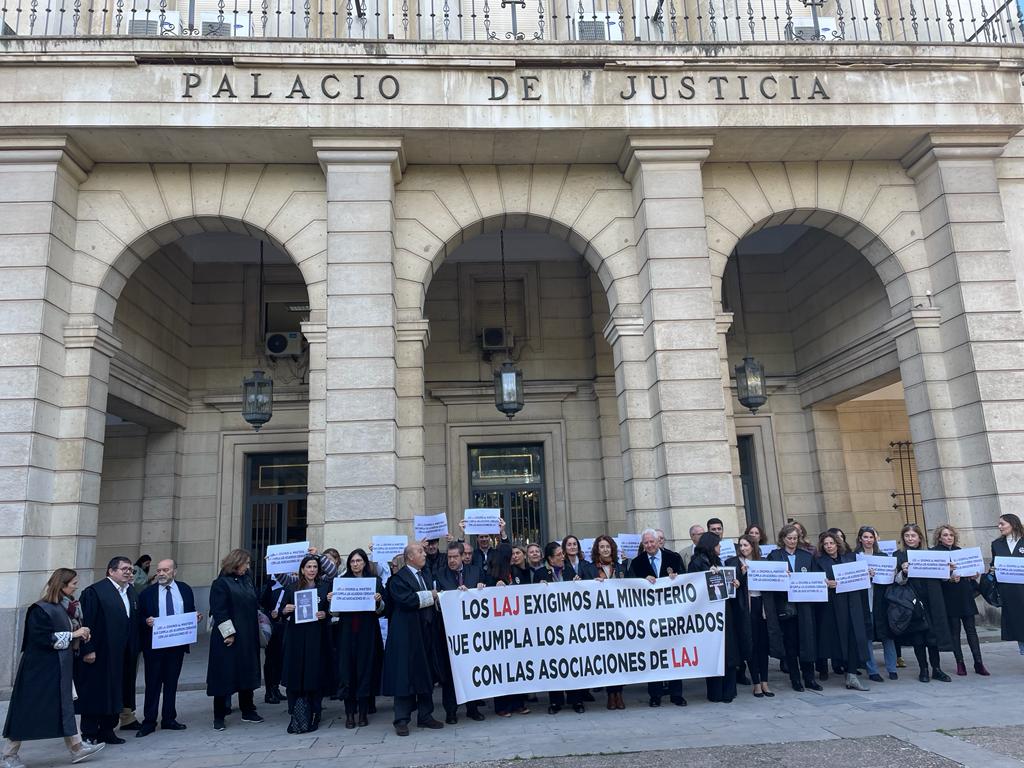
(928, 632)
(42, 702)
(958, 594)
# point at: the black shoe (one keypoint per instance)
(654, 703)
(797, 686)
(477, 716)
(769, 694)
(173, 725)
(402, 729)
(110, 738)
(218, 725)
(362, 722)
(554, 709)
(252, 717)
(923, 677)
(145, 730)
(758, 695)
(894, 676)
(134, 725)
(350, 721)
(578, 708)
(679, 701)
(876, 678)
(938, 674)
(812, 685)
(451, 720)
(431, 723)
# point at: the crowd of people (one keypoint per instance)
(80, 655)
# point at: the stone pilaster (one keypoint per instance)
(161, 510)
(361, 466)
(830, 461)
(689, 446)
(413, 336)
(315, 333)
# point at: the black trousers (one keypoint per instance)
(245, 703)
(791, 643)
(561, 698)
(657, 690)
(510, 704)
(273, 657)
(163, 667)
(423, 703)
(971, 631)
(98, 727)
(758, 663)
(448, 700)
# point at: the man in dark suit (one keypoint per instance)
(484, 547)
(411, 657)
(651, 564)
(104, 670)
(455, 575)
(165, 597)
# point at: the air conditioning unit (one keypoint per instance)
(283, 344)
(155, 26)
(803, 29)
(492, 339)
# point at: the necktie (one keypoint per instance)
(168, 602)
(423, 584)
(654, 564)
(460, 579)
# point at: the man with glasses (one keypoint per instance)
(105, 666)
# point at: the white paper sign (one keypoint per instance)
(172, 631)
(767, 549)
(586, 549)
(305, 606)
(928, 564)
(808, 587)
(430, 526)
(767, 576)
(383, 630)
(851, 577)
(386, 548)
(351, 595)
(1009, 570)
(968, 561)
(285, 558)
(482, 521)
(629, 544)
(726, 549)
(883, 565)
(888, 546)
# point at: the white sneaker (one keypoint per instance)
(11, 761)
(86, 751)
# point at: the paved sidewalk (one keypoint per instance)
(922, 717)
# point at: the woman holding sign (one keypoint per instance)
(842, 621)
(706, 559)
(958, 594)
(1011, 544)
(307, 671)
(605, 558)
(931, 630)
(360, 648)
(791, 626)
(878, 614)
(555, 571)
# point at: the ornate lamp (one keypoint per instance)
(750, 384)
(508, 380)
(257, 399)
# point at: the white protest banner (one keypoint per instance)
(968, 561)
(1009, 570)
(928, 564)
(629, 544)
(285, 558)
(172, 631)
(482, 521)
(807, 587)
(386, 548)
(883, 566)
(586, 548)
(767, 549)
(726, 549)
(305, 606)
(888, 547)
(767, 576)
(851, 577)
(430, 526)
(581, 634)
(383, 630)
(349, 595)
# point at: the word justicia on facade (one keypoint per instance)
(611, 88)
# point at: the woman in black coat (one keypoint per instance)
(792, 626)
(932, 632)
(842, 621)
(605, 558)
(751, 627)
(705, 558)
(307, 670)
(234, 663)
(878, 611)
(520, 570)
(958, 594)
(42, 705)
(1011, 544)
(359, 647)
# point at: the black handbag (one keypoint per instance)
(988, 588)
(302, 716)
(786, 611)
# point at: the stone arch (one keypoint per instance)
(127, 212)
(871, 205)
(439, 207)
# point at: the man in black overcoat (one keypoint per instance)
(411, 666)
(651, 564)
(165, 597)
(104, 669)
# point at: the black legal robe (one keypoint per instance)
(775, 602)
(958, 596)
(737, 617)
(41, 705)
(929, 593)
(845, 615)
(308, 658)
(360, 650)
(411, 661)
(235, 667)
(1011, 622)
(102, 686)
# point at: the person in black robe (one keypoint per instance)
(1011, 544)
(750, 627)
(411, 667)
(791, 626)
(271, 602)
(234, 662)
(575, 563)
(520, 569)
(105, 665)
(359, 647)
(306, 673)
(932, 633)
(41, 705)
(958, 594)
(842, 621)
(501, 573)
(705, 558)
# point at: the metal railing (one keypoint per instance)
(683, 21)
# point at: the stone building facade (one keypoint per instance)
(842, 212)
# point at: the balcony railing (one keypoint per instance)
(661, 21)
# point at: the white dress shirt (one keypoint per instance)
(176, 599)
(426, 596)
(122, 591)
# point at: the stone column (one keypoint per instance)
(315, 333)
(361, 479)
(830, 461)
(969, 434)
(161, 513)
(679, 347)
(39, 180)
(723, 322)
(413, 335)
